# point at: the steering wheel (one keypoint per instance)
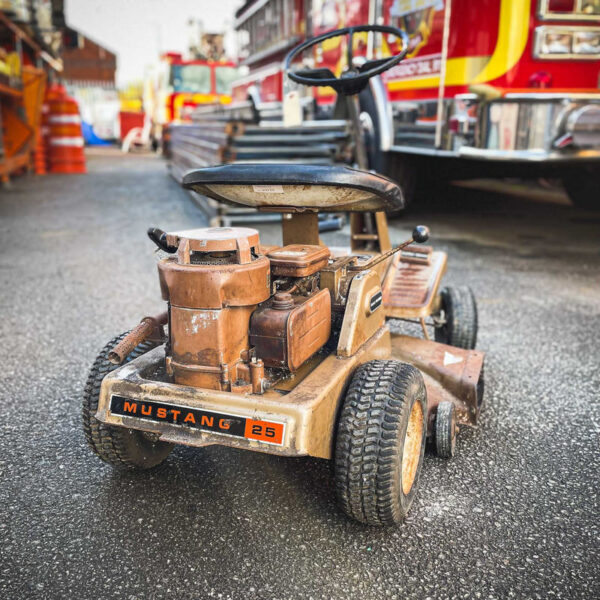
(355, 79)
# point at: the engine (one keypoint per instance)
(240, 314)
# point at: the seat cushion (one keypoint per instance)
(296, 188)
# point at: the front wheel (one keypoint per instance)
(380, 442)
(400, 167)
(445, 430)
(456, 323)
(118, 446)
(582, 189)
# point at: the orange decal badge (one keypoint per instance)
(264, 431)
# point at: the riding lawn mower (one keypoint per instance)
(287, 349)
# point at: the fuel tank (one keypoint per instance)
(289, 329)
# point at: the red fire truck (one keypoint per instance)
(177, 85)
(489, 88)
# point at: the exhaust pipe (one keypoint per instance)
(145, 330)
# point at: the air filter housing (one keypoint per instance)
(212, 284)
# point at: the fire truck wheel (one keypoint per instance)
(118, 446)
(583, 190)
(457, 320)
(400, 168)
(380, 442)
(445, 430)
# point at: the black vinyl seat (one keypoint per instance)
(296, 188)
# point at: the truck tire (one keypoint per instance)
(445, 430)
(403, 169)
(118, 446)
(582, 190)
(380, 442)
(459, 323)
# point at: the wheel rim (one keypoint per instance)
(442, 330)
(453, 432)
(411, 454)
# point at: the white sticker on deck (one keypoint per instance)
(451, 359)
(268, 189)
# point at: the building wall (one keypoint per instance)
(88, 61)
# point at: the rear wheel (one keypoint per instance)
(118, 446)
(457, 320)
(380, 442)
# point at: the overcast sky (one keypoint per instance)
(138, 29)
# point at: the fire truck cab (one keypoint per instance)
(494, 88)
(179, 85)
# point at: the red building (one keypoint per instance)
(86, 60)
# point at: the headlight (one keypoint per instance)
(556, 43)
(586, 42)
(590, 7)
(563, 42)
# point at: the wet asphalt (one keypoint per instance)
(514, 515)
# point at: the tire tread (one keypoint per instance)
(367, 446)
(443, 430)
(110, 443)
(460, 307)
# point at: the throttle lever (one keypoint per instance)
(420, 235)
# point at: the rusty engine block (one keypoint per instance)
(234, 311)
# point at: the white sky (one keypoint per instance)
(136, 30)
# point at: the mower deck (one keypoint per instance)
(299, 422)
(450, 374)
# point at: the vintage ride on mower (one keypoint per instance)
(286, 350)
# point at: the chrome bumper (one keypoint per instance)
(532, 156)
(536, 127)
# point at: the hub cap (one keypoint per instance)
(412, 447)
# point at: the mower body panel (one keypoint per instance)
(308, 412)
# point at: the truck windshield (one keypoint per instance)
(225, 76)
(191, 78)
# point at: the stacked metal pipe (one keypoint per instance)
(241, 133)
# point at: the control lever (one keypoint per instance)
(420, 235)
(159, 237)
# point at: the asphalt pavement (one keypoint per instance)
(514, 515)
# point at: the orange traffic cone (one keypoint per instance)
(53, 91)
(39, 155)
(65, 140)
